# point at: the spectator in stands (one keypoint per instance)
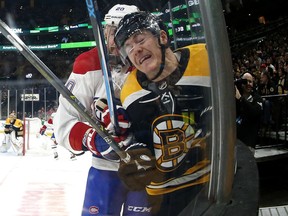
(41, 113)
(270, 65)
(274, 75)
(262, 68)
(267, 87)
(282, 85)
(286, 62)
(248, 111)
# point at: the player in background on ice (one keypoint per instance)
(13, 136)
(167, 98)
(48, 130)
(105, 193)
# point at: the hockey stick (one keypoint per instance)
(95, 19)
(60, 87)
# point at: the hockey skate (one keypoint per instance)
(20, 153)
(6, 143)
(73, 157)
(56, 156)
(3, 148)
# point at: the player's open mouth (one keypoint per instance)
(144, 58)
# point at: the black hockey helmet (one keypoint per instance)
(136, 22)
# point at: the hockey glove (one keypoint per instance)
(98, 146)
(102, 114)
(42, 129)
(8, 130)
(124, 138)
(139, 171)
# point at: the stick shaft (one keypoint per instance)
(95, 19)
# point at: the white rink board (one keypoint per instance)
(37, 184)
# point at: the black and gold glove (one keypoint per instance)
(139, 171)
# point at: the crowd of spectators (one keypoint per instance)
(266, 58)
(268, 53)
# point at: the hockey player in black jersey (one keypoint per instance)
(167, 99)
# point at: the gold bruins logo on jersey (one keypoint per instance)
(172, 139)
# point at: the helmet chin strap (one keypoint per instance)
(163, 48)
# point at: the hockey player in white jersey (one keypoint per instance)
(105, 193)
(47, 129)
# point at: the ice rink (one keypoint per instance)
(38, 185)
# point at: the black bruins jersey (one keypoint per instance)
(168, 116)
(13, 124)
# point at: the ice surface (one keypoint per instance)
(38, 185)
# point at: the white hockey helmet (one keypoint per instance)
(117, 12)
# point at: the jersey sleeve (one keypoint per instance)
(7, 123)
(49, 124)
(7, 126)
(84, 82)
(18, 126)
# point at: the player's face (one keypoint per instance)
(249, 86)
(144, 52)
(109, 33)
(263, 79)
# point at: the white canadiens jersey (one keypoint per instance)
(49, 127)
(86, 83)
